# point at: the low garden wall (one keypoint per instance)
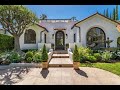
(70, 53)
(50, 54)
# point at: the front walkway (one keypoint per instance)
(69, 76)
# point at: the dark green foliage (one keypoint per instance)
(29, 54)
(44, 56)
(107, 14)
(75, 56)
(116, 14)
(29, 60)
(26, 50)
(14, 57)
(104, 13)
(6, 42)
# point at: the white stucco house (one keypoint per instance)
(92, 31)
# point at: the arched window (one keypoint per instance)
(30, 37)
(96, 38)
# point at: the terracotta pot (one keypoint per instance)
(76, 65)
(44, 64)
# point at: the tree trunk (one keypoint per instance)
(17, 44)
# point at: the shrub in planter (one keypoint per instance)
(28, 54)
(37, 57)
(76, 59)
(106, 56)
(97, 56)
(44, 57)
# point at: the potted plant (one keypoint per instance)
(75, 57)
(44, 57)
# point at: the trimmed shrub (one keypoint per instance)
(37, 57)
(29, 54)
(6, 42)
(106, 56)
(97, 56)
(29, 59)
(44, 56)
(75, 56)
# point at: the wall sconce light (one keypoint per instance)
(52, 36)
(66, 36)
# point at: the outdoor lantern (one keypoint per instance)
(52, 35)
(66, 36)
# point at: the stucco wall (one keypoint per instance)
(108, 27)
(50, 26)
(32, 46)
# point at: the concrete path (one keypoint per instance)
(69, 76)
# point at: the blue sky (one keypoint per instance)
(68, 11)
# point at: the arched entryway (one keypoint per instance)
(96, 38)
(59, 40)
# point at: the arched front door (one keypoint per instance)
(59, 40)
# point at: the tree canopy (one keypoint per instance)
(15, 19)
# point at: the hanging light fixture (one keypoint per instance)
(52, 36)
(66, 36)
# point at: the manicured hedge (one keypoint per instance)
(6, 42)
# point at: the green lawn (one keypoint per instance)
(112, 67)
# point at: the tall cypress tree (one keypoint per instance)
(110, 16)
(113, 15)
(116, 13)
(104, 13)
(107, 14)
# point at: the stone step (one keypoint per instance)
(60, 65)
(60, 52)
(60, 56)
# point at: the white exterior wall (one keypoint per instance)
(37, 30)
(50, 27)
(108, 27)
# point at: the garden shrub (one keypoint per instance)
(44, 54)
(14, 57)
(6, 42)
(37, 57)
(114, 55)
(91, 58)
(75, 56)
(29, 60)
(106, 56)
(83, 53)
(29, 54)
(97, 56)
